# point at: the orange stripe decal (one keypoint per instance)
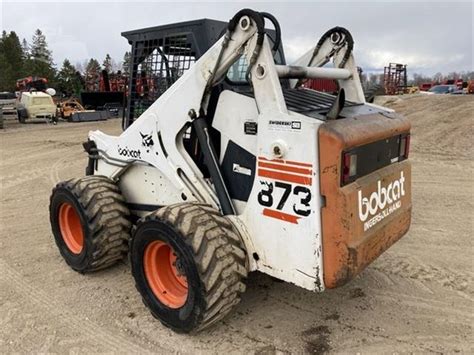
(285, 168)
(281, 215)
(287, 162)
(276, 175)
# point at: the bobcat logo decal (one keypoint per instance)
(147, 140)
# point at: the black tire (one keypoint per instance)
(22, 116)
(104, 221)
(1, 118)
(209, 253)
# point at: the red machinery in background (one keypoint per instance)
(322, 85)
(31, 83)
(326, 85)
(115, 82)
(395, 79)
(425, 86)
(105, 82)
(104, 91)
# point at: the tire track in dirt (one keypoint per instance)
(386, 294)
(64, 161)
(15, 180)
(414, 269)
(54, 170)
(113, 342)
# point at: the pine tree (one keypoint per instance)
(41, 62)
(11, 61)
(108, 64)
(5, 69)
(39, 48)
(68, 81)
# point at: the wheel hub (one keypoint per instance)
(165, 274)
(71, 228)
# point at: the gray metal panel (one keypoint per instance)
(205, 31)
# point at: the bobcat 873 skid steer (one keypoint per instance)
(213, 182)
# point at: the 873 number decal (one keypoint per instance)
(302, 196)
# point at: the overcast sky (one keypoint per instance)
(428, 36)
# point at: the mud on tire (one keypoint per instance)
(90, 222)
(208, 254)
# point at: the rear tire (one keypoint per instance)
(90, 223)
(203, 281)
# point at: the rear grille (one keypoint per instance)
(308, 102)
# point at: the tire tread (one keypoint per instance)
(218, 253)
(107, 219)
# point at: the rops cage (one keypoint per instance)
(160, 55)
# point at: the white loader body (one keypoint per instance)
(280, 221)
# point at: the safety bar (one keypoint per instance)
(296, 72)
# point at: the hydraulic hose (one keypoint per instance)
(347, 39)
(256, 16)
(276, 25)
(260, 23)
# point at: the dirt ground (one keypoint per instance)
(417, 297)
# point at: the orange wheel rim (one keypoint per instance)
(71, 228)
(164, 277)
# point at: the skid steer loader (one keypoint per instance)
(214, 181)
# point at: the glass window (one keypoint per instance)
(238, 71)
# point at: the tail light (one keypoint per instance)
(404, 147)
(349, 167)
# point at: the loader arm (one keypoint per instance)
(336, 44)
(186, 101)
(188, 94)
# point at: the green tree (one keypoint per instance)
(11, 61)
(40, 62)
(39, 48)
(68, 81)
(108, 64)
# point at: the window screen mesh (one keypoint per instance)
(157, 64)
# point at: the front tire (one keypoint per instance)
(22, 114)
(90, 223)
(189, 265)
